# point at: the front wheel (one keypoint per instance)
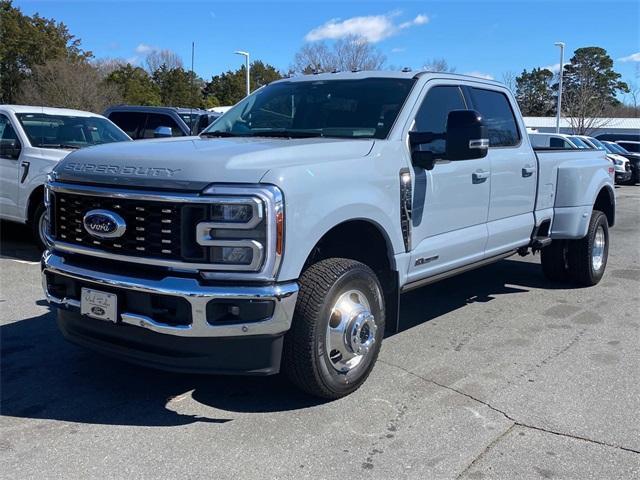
(337, 329)
(39, 227)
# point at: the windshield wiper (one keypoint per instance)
(59, 145)
(286, 133)
(221, 134)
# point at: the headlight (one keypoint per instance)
(618, 161)
(243, 229)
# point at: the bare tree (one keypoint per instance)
(70, 84)
(107, 65)
(509, 79)
(346, 54)
(438, 65)
(356, 53)
(157, 58)
(585, 110)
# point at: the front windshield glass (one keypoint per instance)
(363, 108)
(578, 142)
(616, 148)
(598, 144)
(67, 132)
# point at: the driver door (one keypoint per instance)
(451, 202)
(9, 169)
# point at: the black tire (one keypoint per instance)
(581, 267)
(555, 261)
(305, 360)
(38, 215)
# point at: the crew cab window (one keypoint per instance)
(497, 116)
(9, 143)
(555, 142)
(131, 122)
(434, 111)
(156, 120)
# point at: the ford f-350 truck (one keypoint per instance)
(283, 236)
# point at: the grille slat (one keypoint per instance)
(154, 229)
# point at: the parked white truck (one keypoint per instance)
(32, 141)
(283, 236)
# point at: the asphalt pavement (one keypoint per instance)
(496, 374)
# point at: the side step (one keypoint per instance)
(538, 243)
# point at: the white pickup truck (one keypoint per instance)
(32, 141)
(283, 236)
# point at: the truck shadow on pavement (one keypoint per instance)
(16, 242)
(44, 377)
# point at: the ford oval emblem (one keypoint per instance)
(104, 224)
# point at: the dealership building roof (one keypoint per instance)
(613, 125)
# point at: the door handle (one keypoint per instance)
(479, 176)
(528, 170)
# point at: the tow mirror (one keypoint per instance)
(466, 136)
(162, 132)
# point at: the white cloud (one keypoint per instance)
(398, 50)
(634, 57)
(555, 68)
(486, 76)
(373, 28)
(144, 49)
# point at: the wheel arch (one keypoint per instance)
(35, 198)
(373, 247)
(605, 201)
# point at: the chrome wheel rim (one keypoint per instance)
(351, 331)
(597, 253)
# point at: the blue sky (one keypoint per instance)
(488, 38)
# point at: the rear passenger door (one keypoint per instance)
(450, 202)
(513, 171)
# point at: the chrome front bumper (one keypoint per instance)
(284, 296)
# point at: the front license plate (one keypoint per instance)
(100, 305)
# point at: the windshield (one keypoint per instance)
(578, 142)
(61, 131)
(615, 147)
(363, 108)
(598, 144)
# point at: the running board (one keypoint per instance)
(450, 273)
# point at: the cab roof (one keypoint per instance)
(403, 74)
(48, 111)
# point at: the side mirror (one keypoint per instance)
(467, 136)
(162, 132)
(10, 149)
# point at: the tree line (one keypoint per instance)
(42, 63)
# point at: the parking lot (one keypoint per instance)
(496, 374)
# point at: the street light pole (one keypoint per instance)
(246, 58)
(561, 45)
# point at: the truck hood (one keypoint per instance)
(191, 163)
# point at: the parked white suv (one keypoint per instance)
(32, 141)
